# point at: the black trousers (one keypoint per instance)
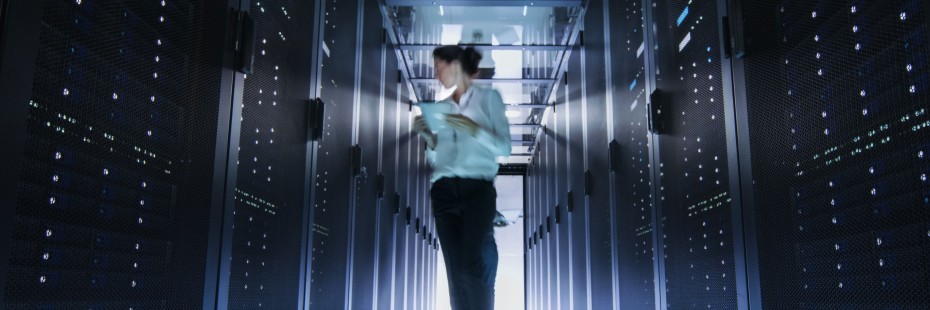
(464, 210)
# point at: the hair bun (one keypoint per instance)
(471, 59)
(467, 57)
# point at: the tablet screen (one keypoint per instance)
(434, 113)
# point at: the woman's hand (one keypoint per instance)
(420, 127)
(462, 122)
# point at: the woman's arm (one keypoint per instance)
(496, 137)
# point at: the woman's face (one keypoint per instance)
(446, 72)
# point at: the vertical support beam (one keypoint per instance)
(658, 242)
(733, 158)
(353, 188)
(219, 244)
(584, 156)
(747, 253)
(612, 178)
(310, 168)
(380, 202)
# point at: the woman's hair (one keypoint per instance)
(468, 57)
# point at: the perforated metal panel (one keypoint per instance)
(837, 102)
(634, 192)
(694, 185)
(272, 154)
(114, 200)
(334, 177)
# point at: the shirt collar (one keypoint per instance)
(466, 98)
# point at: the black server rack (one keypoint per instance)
(119, 172)
(329, 283)
(631, 162)
(695, 195)
(270, 191)
(165, 154)
(835, 105)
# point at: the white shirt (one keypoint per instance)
(458, 153)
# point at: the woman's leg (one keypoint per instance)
(464, 210)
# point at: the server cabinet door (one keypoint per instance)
(390, 134)
(837, 144)
(124, 156)
(631, 163)
(334, 180)
(695, 194)
(271, 189)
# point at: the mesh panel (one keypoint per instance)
(272, 150)
(114, 199)
(634, 193)
(694, 189)
(337, 76)
(839, 97)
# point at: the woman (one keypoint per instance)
(464, 160)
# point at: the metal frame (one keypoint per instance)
(353, 189)
(310, 168)
(560, 69)
(533, 48)
(741, 138)
(658, 243)
(19, 43)
(582, 51)
(376, 281)
(612, 177)
(526, 125)
(733, 158)
(541, 3)
(395, 39)
(219, 244)
(528, 106)
(489, 81)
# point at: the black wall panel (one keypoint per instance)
(694, 183)
(331, 201)
(633, 173)
(115, 192)
(272, 152)
(837, 115)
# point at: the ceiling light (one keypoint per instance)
(443, 12)
(513, 114)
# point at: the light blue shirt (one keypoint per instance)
(458, 153)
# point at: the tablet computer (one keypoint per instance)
(434, 113)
